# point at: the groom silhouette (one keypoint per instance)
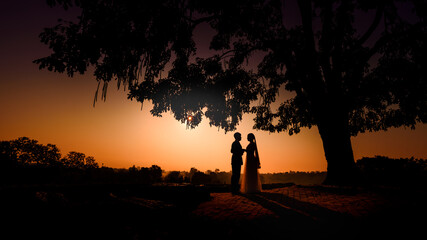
(236, 162)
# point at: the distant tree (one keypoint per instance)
(7, 155)
(224, 177)
(155, 173)
(214, 177)
(193, 170)
(51, 155)
(174, 177)
(150, 175)
(200, 178)
(344, 79)
(90, 162)
(28, 152)
(74, 160)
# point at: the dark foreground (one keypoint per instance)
(196, 212)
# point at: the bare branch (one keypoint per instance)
(224, 55)
(374, 25)
(377, 46)
(198, 21)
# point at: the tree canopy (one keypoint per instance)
(133, 43)
(351, 66)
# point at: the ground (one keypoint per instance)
(197, 212)
(318, 212)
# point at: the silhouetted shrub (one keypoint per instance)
(174, 177)
(200, 178)
(145, 175)
(387, 171)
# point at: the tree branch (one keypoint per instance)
(227, 52)
(374, 25)
(306, 11)
(377, 46)
(196, 22)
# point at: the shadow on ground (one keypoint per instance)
(167, 212)
(97, 211)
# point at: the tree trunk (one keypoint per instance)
(333, 129)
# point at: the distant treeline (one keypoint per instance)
(26, 152)
(25, 161)
(382, 170)
(195, 176)
(302, 178)
(378, 170)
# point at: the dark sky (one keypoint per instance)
(21, 20)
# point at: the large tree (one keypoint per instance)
(346, 76)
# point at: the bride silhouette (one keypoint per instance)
(251, 182)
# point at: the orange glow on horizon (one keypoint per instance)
(119, 134)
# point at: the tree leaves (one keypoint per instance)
(326, 61)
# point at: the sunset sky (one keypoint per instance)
(53, 108)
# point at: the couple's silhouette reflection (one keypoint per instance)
(251, 182)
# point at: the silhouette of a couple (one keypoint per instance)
(251, 182)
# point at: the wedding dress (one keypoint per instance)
(251, 182)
